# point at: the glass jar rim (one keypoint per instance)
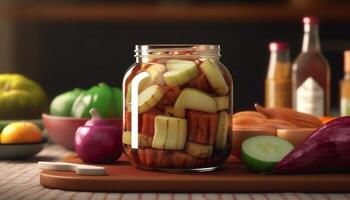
(164, 50)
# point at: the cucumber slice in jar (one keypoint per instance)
(261, 153)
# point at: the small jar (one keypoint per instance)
(177, 108)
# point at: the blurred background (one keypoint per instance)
(64, 44)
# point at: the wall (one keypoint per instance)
(73, 55)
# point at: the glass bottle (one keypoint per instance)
(278, 80)
(177, 108)
(345, 87)
(311, 74)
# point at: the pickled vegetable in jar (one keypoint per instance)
(177, 108)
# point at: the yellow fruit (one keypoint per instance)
(21, 98)
(20, 132)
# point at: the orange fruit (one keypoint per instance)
(20, 132)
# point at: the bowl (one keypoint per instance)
(22, 150)
(241, 134)
(296, 136)
(38, 122)
(61, 130)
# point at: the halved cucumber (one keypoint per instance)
(261, 153)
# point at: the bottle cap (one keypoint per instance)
(278, 46)
(310, 20)
(347, 61)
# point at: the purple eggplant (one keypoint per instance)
(326, 150)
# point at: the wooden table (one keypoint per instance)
(20, 180)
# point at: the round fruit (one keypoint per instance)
(262, 153)
(62, 104)
(21, 98)
(20, 132)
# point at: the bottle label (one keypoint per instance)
(310, 98)
(345, 107)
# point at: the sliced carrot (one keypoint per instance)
(201, 83)
(169, 98)
(148, 122)
(132, 154)
(155, 158)
(142, 156)
(202, 127)
(128, 121)
(183, 160)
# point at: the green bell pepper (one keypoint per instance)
(106, 100)
(77, 103)
(62, 104)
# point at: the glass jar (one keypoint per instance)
(177, 108)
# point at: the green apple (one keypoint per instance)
(62, 104)
(21, 98)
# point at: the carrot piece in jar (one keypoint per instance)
(132, 154)
(200, 83)
(147, 127)
(155, 158)
(169, 98)
(202, 127)
(128, 121)
(183, 160)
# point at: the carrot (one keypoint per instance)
(169, 98)
(202, 127)
(200, 83)
(183, 160)
(128, 121)
(132, 154)
(142, 156)
(147, 127)
(155, 158)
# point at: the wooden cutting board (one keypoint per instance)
(232, 177)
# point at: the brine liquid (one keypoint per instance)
(170, 139)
